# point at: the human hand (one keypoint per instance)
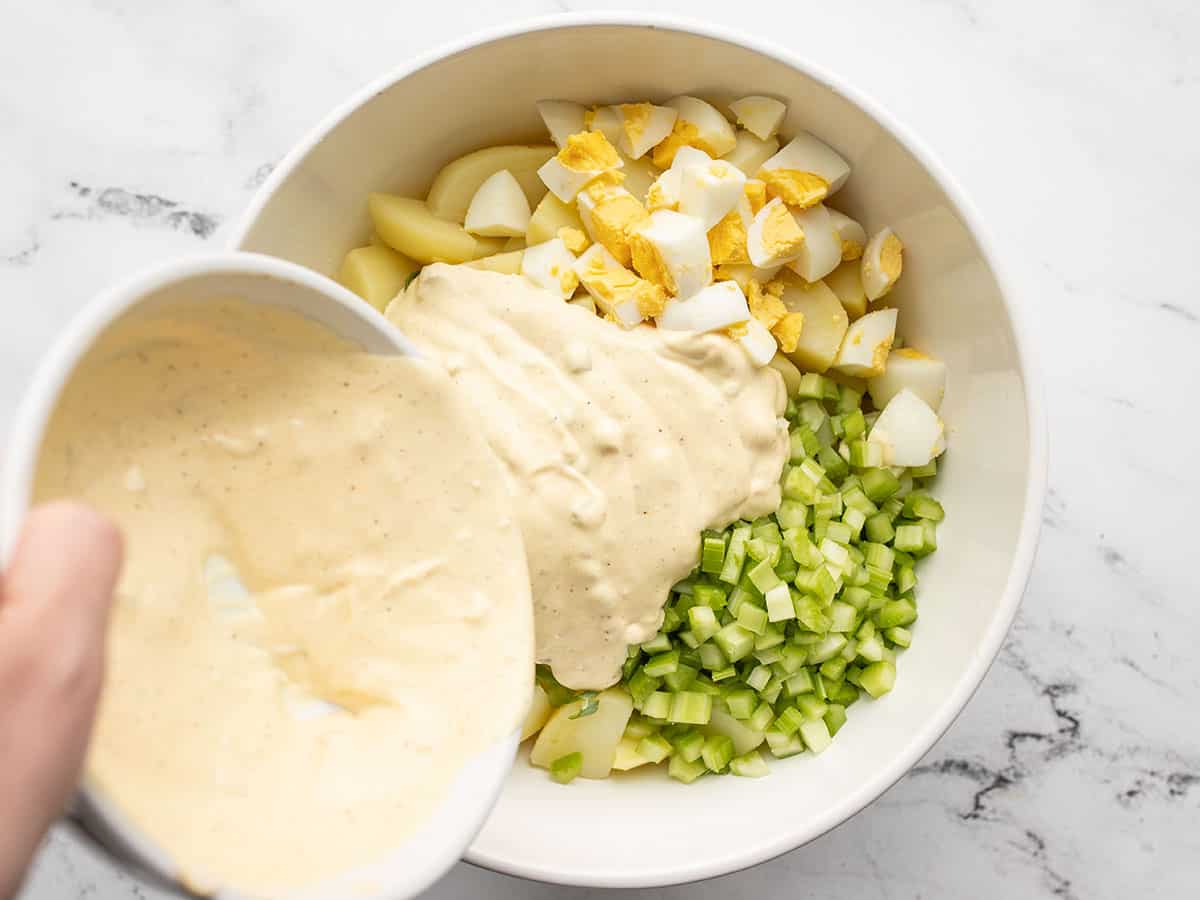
(54, 605)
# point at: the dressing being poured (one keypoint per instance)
(325, 610)
(620, 447)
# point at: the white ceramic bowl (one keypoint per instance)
(425, 855)
(646, 830)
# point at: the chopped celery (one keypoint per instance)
(792, 514)
(682, 770)
(690, 708)
(711, 657)
(709, 595)
(735, 641)
(735, 555)
(816, 734)
(654, 747)
(717, 752)
(896, 612)
(565, 769)
(662, 664)
(919, 505)
(703, 622)
(878, 678)
(741, 703)
(657, 705)
(784, 745)
(712, 553)
(835, 718)
(688, 744)
(639, 727)
(681, 679)
(754, 618)
(660, 643)
(749, 765)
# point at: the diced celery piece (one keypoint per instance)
(682, 770)
(682, 678)
(690, 708)
(662, 664)
(711, 657)
(829, 647)
(660, 643)
(772, 636)
(896, 612)
(712, 552)
(688, 639)
(753, 617)
(833, 669)
(865, 455)
(906, 579)
(803, 550)
(811, 387)
(758, 677)
(811, 614)
(639, 727)
(779, 603)
(919, 505)
(703, 622)
(749, 765)
(642, 686)
(761, 717)
(741, 703)
(654, 747)
(870, 649)
(901, 637)
(835, 718)
(724, 674)
(926, 471)
(800, 683)
(784, 745)
(763, 577)
(854, 519)
(842, 617)
(688, 744)
(717, 752)
(878, 678)
(792, 514)
(657, 705)
(735, 555)
(879, 484)
(910, 538)
(788, 721)
(709, 595)
(838, 532)
(735, 641)
(566, 768)
(816, 734)
(854, 426)
(811, 707)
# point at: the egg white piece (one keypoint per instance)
(882, 263)
(758, 342)
(606, 120)
(911, 370)
(762, 254)
(750, 152)
(712, 128)
(865, 348)
(848, 230)
(806, 153)
(822, 250)
(717, 306)
(562, 118)
(908, 431)
(666, 187)
(710, 191)
(682, 244)
(761, 116)
(499, 208)
(597, 257)
(551, 266)
(565, 183)
(637, 140)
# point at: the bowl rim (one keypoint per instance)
(922, 740)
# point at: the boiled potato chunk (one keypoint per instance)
(410, 228)
(551, 215)
(539, 712)
(744, 738)
(825, 323)
(455, 185)
(595, 736)
(846, 282)
(639, 175)
(627, 757)
(786, 368)
(504, 263)
(376, 273)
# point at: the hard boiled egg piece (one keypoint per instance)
(761, 116)
(585, 157)
(758, 342)
(642, 126)
(774, 236)
(912, 370)
(562, 119)
(618, 292)
(853, 235)
(710, 191)
(805, 153)
(822, 249)
(606, 120)
(499, 207)
(882, 263)
(908, 431)
(864, 350)
(713, 131)
(717, 306)
(664, 193)
(609, 213)
(551, 266)
(750, 152)
(671, 250)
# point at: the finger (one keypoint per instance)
(54, 607)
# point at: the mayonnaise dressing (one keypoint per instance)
(355, 499)
(620, 446)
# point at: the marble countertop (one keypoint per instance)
(134, 131)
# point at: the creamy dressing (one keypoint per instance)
(325, 610)
(620, 446)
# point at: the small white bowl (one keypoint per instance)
(428, 853)
(646, 830)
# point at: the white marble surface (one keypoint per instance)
(133, 130)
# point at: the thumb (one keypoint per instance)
(54, 605)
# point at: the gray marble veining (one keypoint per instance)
(134, 131)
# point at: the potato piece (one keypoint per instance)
(551, 215)
(595, 736)
(744, 738)
(786, 368)
(825, 323)
(451, 192)
(504, 263)
(846, 282)
(376, 273)
(410, 228)
(514, 243)
(539, 712)
(627, 757)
